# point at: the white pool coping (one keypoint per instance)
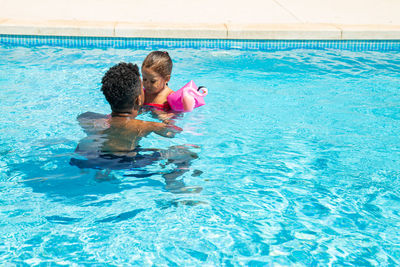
(206, 19)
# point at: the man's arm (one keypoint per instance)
(165, 130)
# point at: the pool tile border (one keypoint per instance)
(167, 43)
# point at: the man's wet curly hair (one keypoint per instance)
(121, 86)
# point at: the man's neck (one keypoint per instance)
(125, 114)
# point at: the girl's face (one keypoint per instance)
(152, 81)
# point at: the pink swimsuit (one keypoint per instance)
(164, 106)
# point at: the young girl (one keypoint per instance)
(162, 100)
(156, 73)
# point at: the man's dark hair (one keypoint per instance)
(121, 86)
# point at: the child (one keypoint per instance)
(156, 72)
(118, 134)
(162, 100)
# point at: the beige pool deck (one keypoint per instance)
(209, 19)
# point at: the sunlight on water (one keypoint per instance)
(297, 162)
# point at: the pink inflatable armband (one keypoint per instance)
(187, 98)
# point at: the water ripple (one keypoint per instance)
(298, 163)
(122, 216)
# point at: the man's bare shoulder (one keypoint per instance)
(93, 122)
(91, 116)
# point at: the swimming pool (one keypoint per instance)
(298, 161)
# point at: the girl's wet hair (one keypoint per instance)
(160, 62)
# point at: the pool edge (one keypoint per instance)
(234, 31)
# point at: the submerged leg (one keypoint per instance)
(181, 157)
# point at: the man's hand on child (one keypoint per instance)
(172, 130)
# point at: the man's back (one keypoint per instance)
(116, 135)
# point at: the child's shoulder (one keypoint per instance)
(165, 93)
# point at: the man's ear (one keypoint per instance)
(139, 100)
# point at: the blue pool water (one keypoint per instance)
(298, 162)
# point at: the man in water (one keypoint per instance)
(112, 140)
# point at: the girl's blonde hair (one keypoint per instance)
(160, 62)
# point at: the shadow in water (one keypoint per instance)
(47, 169)
(179, 157)
(122, 216)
